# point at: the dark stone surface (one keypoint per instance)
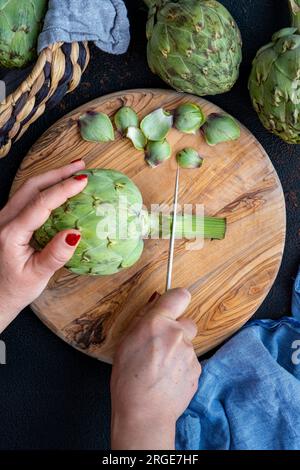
(52, 396)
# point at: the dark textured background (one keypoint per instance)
(51, 396)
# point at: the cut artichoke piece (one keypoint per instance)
(220, 128)
(96, 127)
(189, 158)
(157, 152)
(137, 137)
(188, 118)
(157, 124)
(124, 118)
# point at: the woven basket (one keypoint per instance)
(57, 71)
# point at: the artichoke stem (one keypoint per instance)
(190, 226)
(295, 10)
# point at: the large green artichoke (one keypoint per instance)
(110, 216)
(20, 25)
(193, 45)
(274, 83)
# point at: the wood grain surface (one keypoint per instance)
(228, 279)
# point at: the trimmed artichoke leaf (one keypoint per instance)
(189, 158)
(125, 117)
(156, 125)
(157, 152)
(188, 118)
(220, 128)
(96, 127)
(137, 137)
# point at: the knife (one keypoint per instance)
(173, 233)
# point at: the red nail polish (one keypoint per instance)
(153, 297)
(78, 160)
(80, 177)
(72, 239)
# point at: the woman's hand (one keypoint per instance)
(24, 273)
(155, 375)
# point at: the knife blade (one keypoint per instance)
(173, 233)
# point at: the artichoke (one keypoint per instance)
(274, 83)
(110, 216)
(193, 45)
(20, 25)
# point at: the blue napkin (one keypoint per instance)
(103, 21)
(249, 391)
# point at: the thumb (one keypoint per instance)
(172, 304)
(57, 252)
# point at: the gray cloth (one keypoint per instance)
(102, 21)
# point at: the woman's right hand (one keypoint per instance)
(24, 272)
(155, 375)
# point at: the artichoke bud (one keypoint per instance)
(220, 128)
(193, 45)
(20, 26)
(274, 80)
(188, 118)
(157, 152)
(96, 127)
(137, 137)
(156, 125)
(189, 158)
(124, 118)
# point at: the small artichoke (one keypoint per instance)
(274, 83)
(96, 127)
(220, 128)
(193, 45)
(188, 118)
(20, 25)
(189, 158)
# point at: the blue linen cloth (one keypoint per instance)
(103, 21)
(249, 392)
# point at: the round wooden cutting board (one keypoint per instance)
(228, 279)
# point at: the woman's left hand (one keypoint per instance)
(24, 272)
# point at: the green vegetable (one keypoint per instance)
(124, 118)
(112, 228)
(157, 124)
(220, 128)
(189, 158)
(193, 45)
(20, 25)
(188, 118)
(96, 127)
(137, 137)
(274, 83)
(157, 152)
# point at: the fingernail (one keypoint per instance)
(72, 239)
(80, 177)
(75, 161)
(153, 297)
